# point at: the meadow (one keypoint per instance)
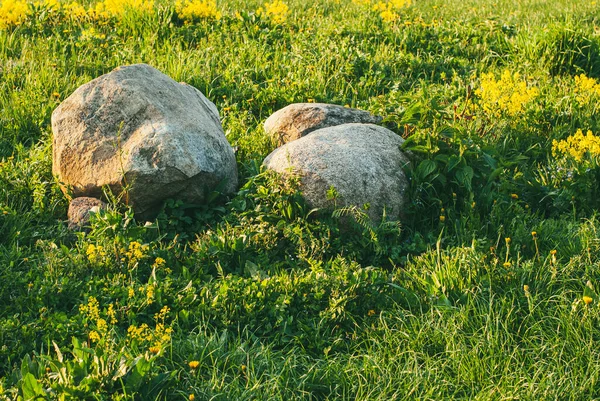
(487, 290)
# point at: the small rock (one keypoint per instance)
(144, 136)
(80, 209)
(299, 119)
(362, 162)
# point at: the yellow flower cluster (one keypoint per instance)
(148, 290)
(577, 146)
(95, 253)
(149, 294)
(507, 95)
(13, 13)
(112, 314)
(388, 9)
(386, 12)
(94, 336)
(277, 11)
(159, 262)
(53, 5)
(586, 89)
(101, 325)
(74, 10)
(141, 333)
(398, 4)
(118, 8)
(136, 250)
(91, 311)
(192, 10)
(157, 337)
(91, 34)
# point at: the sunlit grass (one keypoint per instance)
(257, 296)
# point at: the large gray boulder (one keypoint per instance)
(299, 119)
(362, 162)
(144, 136)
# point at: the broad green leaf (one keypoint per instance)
(464, 175)
(31, 388)
(138, 373)
(425, 168)
(447, 132)
(453, 161)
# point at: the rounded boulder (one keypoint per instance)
(299, 119)
(145, 137)
(363, 163)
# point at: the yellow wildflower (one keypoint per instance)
(386, 12)
(162, 334)
(191, 397)
(136, 251)
(159, 262)
(194, 364)
(154, 349)
(150, 294)
(398, 4)
(577, 146)
(193, 10)
(506, 264)
(95, 253)
(112, 314)
(277, 11)
(526, 288)
(118, 8)
(507, 95)
(162, 315)
(101, 325)
(94, 336)
(138, 333)
(91, 309)
(156, 337)
(587, 299)
(13, 13)
(48, 4)
(586, 89)
(75, 10)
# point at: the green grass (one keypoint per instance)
(278, 302)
